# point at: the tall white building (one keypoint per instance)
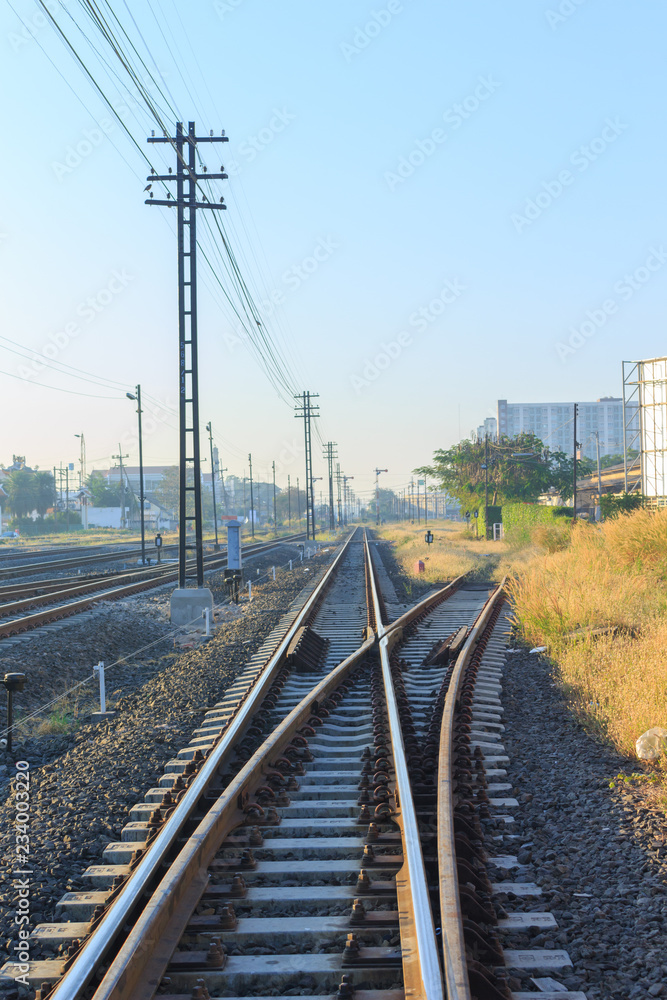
(552, 423)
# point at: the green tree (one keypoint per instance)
(45, 492)
(20, 488)
(168, 492)
(102, 495)
(608, 460)
(520, 469)
(612, 506)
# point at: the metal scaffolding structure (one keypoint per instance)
(645, 428)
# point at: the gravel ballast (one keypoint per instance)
(84, 782)
(598, 853)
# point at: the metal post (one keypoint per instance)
(142, 499)
(298, 500)
(574, 468)
(252, 501)
(10, 719)
(486, 486)
(189, 445)
(597, 452)
(215, 509)
(275, 514)
(99, 670)
(289, 503)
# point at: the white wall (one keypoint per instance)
(104, 517)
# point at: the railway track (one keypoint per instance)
(56, 600)
(335, 828)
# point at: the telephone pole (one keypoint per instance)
(275, 515)
(136, 396)
(329, 455)
(308, 411)
(252, 501)
(120, 458)
(186, 205)
(346, 493)
(289, 502)
(339, 479)
(377, 493)
(574, 469)
(215, 509)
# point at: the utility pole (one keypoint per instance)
(597, 453)
(377, 493)
(245, 505)
(486, 486)
(142, 499)
(289, 502)
(82, 460)
(120, 458)
(275, 515)
(346, 489)
(215, 509)
(574, 469)
(425, 504)
(339, 480)
(306, 410)
(298, 499)
(186, 204)
(252, 502)
(329, 455)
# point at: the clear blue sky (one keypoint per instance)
(498, 167)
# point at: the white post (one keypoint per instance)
(274, 572)
(207, 616)
(301, 554)
(250, 590)
(99, 669)
(290, 564)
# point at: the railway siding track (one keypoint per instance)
(335, 827)
(106, 588)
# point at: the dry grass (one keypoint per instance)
(611, 576)
(454, 551)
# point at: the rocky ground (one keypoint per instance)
(598, 853)
(85, 780)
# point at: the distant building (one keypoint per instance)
(488, 428)
(552, 424)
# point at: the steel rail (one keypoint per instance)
(31, 569)
(421, 967)
(139, 882)
(156, 578)
(136, 971)
(451, 917)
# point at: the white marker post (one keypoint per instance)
(102, 714)
(250, 590)
(207, 616)
(274, 572)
